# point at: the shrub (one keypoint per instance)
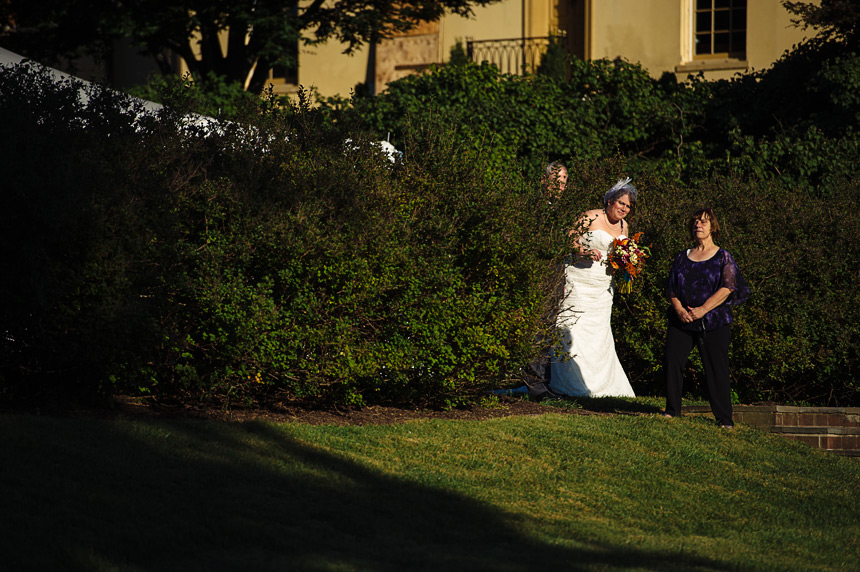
(210, 95)
(71, 235)
(602, 109)
(796, 340)
(553, 62)
(277, 258)
(330, 273)
(779, 144)
(283, 256)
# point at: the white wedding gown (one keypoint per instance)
(591, 367)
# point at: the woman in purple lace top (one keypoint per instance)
(704, 283)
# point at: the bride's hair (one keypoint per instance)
(618, 190)
(707, 214)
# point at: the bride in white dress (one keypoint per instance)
(589, 366)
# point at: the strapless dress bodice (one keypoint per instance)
(598, 240)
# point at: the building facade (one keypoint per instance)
(717, 37)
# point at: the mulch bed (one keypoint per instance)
(284, 411)
(123, 406)
(372, 415)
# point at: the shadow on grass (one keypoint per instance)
(168, 495)
(617, 405)
(609, 404)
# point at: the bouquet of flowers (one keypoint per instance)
(628, 256)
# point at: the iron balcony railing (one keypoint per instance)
(518, 56)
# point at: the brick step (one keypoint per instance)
(816, 430)
(840, 444)
(831, 429)
(836, 418)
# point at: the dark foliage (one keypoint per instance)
(602, 109)
(273, 257)
(257, 35)
(773, 151)
(281, 255)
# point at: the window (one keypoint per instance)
(284, 74)
(285, 78)
(721, 28)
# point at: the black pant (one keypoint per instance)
(539, 372)
(714, 349)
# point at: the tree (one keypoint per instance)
(259, 34)
(834, 19)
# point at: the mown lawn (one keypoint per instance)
(553, 492)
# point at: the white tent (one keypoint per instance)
(208, 124)
(8, 58)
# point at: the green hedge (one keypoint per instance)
(286, 258)
(71, 236)
(797, 339)
(781, 143)
(796, 123)
(603, 108)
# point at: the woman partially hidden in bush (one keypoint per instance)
(704, 283)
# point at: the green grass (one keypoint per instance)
(555, 492)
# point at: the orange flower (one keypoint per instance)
(626, 255)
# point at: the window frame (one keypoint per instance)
(732, 29)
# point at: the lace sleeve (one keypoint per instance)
(734, 281)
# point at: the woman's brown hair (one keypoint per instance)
(708, 214)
